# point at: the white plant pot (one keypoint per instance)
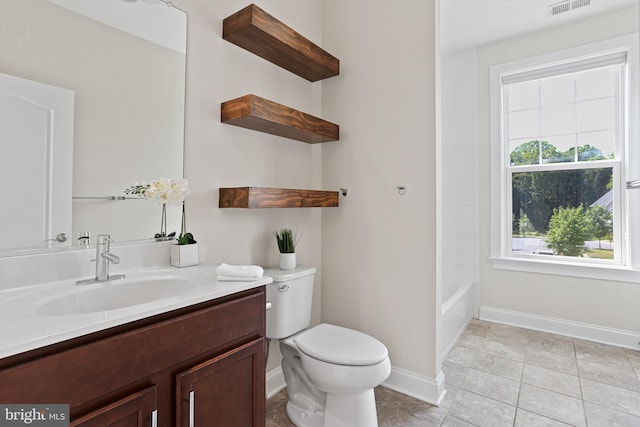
(287, 261)
(184, 255)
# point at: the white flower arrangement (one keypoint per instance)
(163, 190)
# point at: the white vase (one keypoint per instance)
(184, 255)
(287, 261)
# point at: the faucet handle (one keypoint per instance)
(104, 238)
(103, 244)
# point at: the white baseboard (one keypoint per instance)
(274, 382)
(585, 331)
(423, 388)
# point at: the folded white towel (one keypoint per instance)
(235, 279)
(239, 272)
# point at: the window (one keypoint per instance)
(560, 143)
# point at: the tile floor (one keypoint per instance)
(500, 375)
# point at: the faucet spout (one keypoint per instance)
(113, 258)
(103, 259)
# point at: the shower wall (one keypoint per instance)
(460, 195)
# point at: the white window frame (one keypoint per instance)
(626, 267)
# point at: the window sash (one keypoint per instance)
(619, 242)
(620, 247)
(620, 109)
(565, 67)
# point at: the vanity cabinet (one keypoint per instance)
(206, 361)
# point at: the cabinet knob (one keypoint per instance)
(268, 305)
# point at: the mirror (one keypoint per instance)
(120, 66)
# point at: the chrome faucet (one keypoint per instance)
(103, 259)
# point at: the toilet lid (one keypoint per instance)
(341, 346)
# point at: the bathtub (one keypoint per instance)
(458, 309)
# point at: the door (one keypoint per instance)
(135, 410)
(226, 391)
(36, 162)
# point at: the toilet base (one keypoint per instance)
(341, 396)
(351, 410)
(304, 418)
(342, 410)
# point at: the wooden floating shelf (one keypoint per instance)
(258, 32)
(261, 197)
(253, 112)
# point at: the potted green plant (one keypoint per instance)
(287, 241)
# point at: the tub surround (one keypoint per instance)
(456, 314)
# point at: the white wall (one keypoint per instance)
(219, 155)
(379, 248)
(595, 302)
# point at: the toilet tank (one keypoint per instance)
(291, 296)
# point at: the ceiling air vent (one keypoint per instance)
(566, 6)
(580, 3)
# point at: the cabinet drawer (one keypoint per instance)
(83, 373)
(135, 410)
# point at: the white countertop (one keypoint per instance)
(23, 327)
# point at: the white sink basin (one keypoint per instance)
(113, 295)
(33, 316)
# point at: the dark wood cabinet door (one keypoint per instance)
(226, 391)
(135, 410)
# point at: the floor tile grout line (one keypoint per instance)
(490, 398)
(584, 407)
(460, 419)
(610, 385)
(546, 415)
(608, 407)
(515, 415)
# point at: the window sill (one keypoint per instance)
(601, 272)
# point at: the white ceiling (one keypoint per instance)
(470, 23)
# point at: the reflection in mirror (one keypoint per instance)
(119, 67)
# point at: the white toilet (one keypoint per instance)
(330, 371)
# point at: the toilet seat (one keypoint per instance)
(341, 346)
